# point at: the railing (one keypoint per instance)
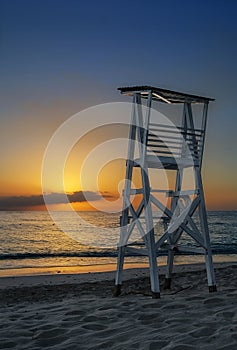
(172, 141)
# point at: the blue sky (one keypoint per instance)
(58, 57)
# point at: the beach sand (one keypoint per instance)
(77, 311)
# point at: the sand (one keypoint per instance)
(77, 311)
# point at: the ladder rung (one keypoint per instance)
(167, 142)
(141, 191)
(182, 193)
(160, 191)
(164, 137)
(161, 152)
(136, 191)
(158, 126)
(137, 243)
(153, 217)
(137, 251)
(191, 250)
(156, 144)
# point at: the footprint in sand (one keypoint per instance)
(213, 301)
(95, 318)
(94, 326)
(51, 337)
(202, 332)
(158, 345)
(6, 344)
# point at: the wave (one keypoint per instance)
(216, 249)
(224, 248)
(43, 255)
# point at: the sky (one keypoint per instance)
(59, 57)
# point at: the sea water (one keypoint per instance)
(34, 239)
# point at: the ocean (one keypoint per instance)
(33, 239)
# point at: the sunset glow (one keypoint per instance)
(45, 81)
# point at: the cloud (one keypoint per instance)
(23, 202)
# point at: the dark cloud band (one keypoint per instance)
(21, 202)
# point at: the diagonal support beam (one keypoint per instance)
(180, 223)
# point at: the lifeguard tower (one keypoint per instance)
(173, 148)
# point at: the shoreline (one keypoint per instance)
(99, 273)
(73, 269)
(109, 266)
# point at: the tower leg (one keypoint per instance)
(208, 256)
(204, 226)
(149, 237)
(210, 273)
(154, 275)
(172, 238)
(170, 264)
(119, 272)
(124, 219)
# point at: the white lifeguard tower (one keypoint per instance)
(174, 149)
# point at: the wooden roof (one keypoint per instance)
(163, 95)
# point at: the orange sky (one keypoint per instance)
(21, 169)
(58, 60)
